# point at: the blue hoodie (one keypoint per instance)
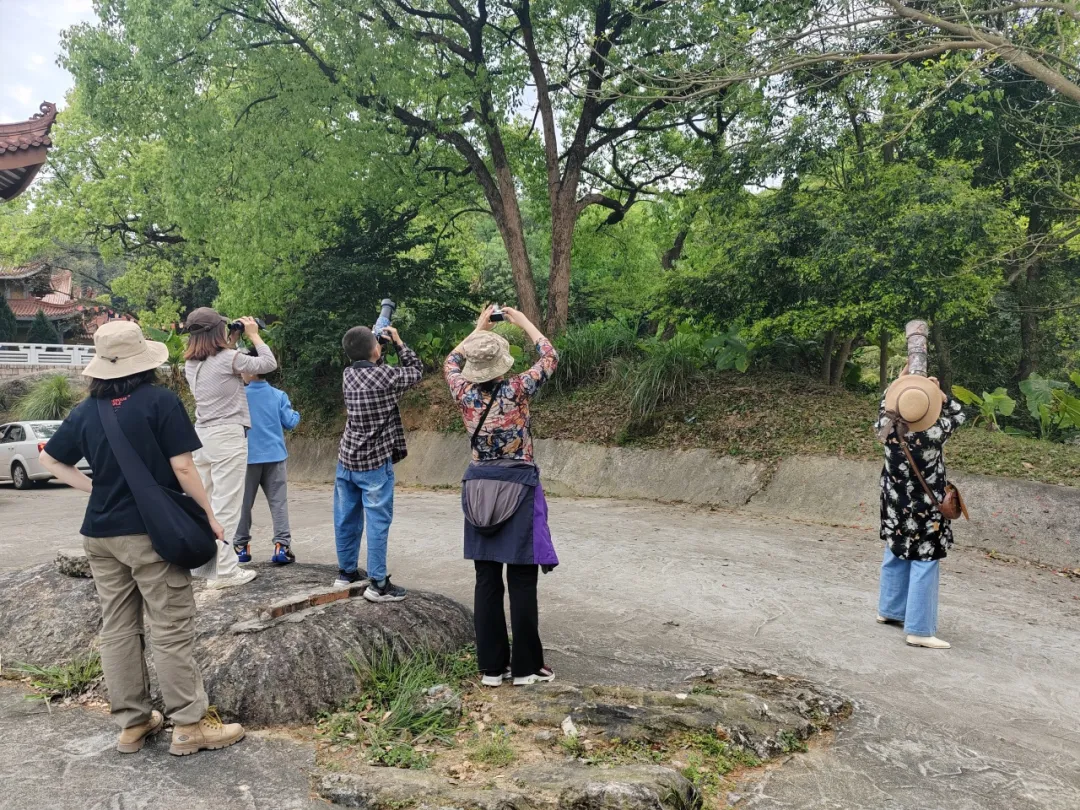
(270, 412)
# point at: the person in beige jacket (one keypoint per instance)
(214, 370)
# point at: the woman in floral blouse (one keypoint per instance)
(503, 501)
(916, 535)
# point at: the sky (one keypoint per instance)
(31, 42)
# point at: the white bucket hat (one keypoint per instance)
(487, 357)
(121, 350)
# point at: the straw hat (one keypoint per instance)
(121, 350)
(916, 399)
(487, 357)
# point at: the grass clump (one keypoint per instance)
(790, 742)
(586, 352)
(494, 749)
(63, 680)
(710, 759)
(395, 718)
(50, 399)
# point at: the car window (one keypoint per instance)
(3, 433)
(44, 430)
(16, 434)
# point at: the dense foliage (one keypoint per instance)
(709, 186)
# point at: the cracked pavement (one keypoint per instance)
(647, 593)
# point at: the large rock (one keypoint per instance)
(551, 786)
(274, 651)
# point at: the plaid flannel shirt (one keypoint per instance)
(373, 431)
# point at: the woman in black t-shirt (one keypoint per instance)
(128, 574)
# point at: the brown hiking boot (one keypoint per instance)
(131, 739)
(209, 734)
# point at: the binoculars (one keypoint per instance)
(238, 326)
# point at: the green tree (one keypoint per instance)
(279, 99)
(8, 325)
(42, 330)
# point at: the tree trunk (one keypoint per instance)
(563, 222)
(672, 255)
(839, 363)
(883, 361)
(827, 356)
(943, 358)
(1028, 298)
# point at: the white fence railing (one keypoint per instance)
(38, 354)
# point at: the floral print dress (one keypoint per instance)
(911, 524)
(506, 432)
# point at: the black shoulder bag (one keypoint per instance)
(177, 525)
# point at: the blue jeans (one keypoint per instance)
(909, 593)
(357, 493)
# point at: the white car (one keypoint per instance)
(20, 445)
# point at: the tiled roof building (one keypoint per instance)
(52, 290)
(24, 147)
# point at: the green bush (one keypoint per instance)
(586, 352)
(9, 327)
(42, 330)
(51, 398)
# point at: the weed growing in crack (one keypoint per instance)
(62, 680)
(394, 718)
(494, 749)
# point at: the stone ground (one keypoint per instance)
(646, 594)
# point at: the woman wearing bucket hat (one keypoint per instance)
(504, 505)
(214, 370)
(128, 574)
(916, 412)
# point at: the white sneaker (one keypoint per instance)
(242, 577)
(883, 620)
(930, 642)
(545, 675)
(492, 680)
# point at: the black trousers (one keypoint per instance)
(492, 644)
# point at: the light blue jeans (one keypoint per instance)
(357, 494)
(909, 593)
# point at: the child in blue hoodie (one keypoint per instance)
(271, 412)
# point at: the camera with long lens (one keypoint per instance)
(386, 316)
(497, 315)
(238, 326)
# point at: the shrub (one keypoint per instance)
(51, 398)
(9, 327)
(42, 330)
(586, 352)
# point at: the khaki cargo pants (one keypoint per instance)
(129, 575)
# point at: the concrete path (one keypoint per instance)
(645, 594)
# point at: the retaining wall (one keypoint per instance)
(1020, 518)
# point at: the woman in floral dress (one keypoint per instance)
(503, 501)
(916, 535)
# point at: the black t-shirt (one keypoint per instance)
(159, 429)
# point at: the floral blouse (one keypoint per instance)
(911, 524)
(506, 432)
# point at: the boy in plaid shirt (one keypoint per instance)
(374, 440)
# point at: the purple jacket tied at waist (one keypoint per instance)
(506, 514)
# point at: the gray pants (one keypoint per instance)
(272, 479)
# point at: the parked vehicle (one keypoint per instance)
(20, 445)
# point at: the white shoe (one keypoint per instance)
(883, 620)
(545, 675)
(492, 680)
(930, 642)
(242, 577)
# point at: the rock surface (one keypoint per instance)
(630, 745)
(565, 786)
(72, 562)
(261, 672)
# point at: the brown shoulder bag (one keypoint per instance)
(953, 506)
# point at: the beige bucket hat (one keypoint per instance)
(917, 400)
(487, 357)
(121, 350)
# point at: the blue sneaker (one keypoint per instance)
(282, 555)
(243, 553)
